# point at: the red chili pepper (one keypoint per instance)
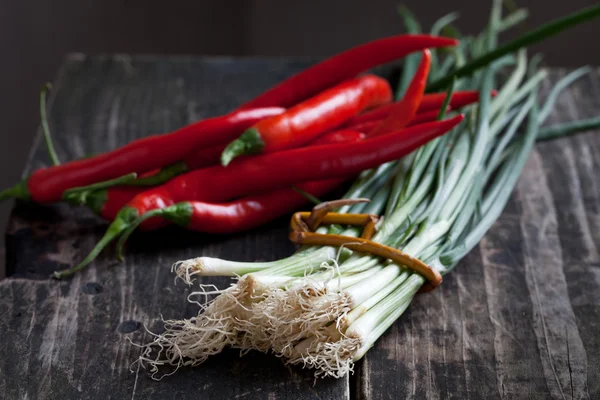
(251, 212)
(268, 172)
(430, 102)
(241, 214)
(405, 110)
(344, 66)
(49, 184)
(307, 120)
(235, 216)
(107, 202)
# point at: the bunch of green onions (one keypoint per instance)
(325, 307)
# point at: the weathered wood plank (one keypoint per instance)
(561, 351)
(571, 172)
(517, 357)
(70, 339)
(518, 318)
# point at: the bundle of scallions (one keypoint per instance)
(324, 307)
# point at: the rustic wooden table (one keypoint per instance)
(519, 318)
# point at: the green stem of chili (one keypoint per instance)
(160, 177)
(45, 126)
(77, 195)
(307, 195)
(126, 217)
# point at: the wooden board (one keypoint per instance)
(517, 319)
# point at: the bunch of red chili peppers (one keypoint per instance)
(234, 172)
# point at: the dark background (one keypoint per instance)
(35, 35)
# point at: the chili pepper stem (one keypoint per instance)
(161, 176)
(79, 195)
(179, 213)
(18, 191)
(249, 142)
(45, 127)
(124, 219)
(307, 195)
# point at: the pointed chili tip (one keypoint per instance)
(249, 142)
(457, 119)
(451, 41)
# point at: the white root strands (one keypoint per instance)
(250, 315)
(334, 358)
(189, 342)
(285, 317)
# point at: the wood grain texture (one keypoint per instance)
(519, 317)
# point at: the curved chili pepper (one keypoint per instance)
(307, 120)
(344, 66)
(268, 172)
(249, 212)
(49, 184)
(430, 102)
(235, 216)
(405, 110)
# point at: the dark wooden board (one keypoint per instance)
(517, 319)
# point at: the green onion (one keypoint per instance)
(412, 61)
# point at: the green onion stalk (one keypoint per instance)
(325, 307)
